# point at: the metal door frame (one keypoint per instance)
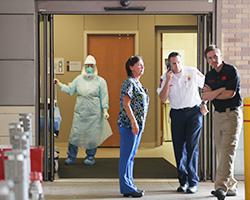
(207, 164)
(49, 96)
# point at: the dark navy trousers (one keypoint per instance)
(129, 144)
(186, 127)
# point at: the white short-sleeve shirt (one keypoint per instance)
(184, 90)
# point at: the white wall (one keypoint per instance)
(239, 160)
(11, 114)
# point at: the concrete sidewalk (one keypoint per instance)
(108, 189)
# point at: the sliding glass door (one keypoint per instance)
(46, 92)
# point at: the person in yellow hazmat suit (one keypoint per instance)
(90, 125)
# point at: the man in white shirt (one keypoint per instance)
(180, 85)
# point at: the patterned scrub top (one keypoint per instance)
(139, 103)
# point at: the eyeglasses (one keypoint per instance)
(89, 65)
(215, 57)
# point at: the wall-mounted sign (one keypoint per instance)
(74, 66)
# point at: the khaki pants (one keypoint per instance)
(227, 129)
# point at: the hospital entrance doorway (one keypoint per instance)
(65, 41)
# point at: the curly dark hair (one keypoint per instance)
(130, 62)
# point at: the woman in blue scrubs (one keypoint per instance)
(134, 103)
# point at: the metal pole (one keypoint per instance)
(246, 111)
(45, 50)
(52, 95)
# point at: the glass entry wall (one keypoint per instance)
(191, 43)
(46, 93)
(194, 7)
(183, 41)
(46, 76)
(207, 164)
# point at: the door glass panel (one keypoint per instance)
(187, 47)
(45, 92)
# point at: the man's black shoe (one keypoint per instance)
(139, 190)
(135, 194)
(182, 188)
(192, 190)
(219, 193)
(231, 193)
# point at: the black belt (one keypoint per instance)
(226, 109)
(185, 109)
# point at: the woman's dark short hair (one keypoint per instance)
(130, 62)
(173, 54)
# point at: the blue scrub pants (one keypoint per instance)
(129, 144)
(186, 127)
(73, 150)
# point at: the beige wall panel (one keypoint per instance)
(68, 45)
(175, 20)
(147, 50)
(111, 22)
(69, 36)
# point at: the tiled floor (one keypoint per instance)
(108, 189)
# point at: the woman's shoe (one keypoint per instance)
(139, 190)
(135, 194)
(69, 161)
(89, 161)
